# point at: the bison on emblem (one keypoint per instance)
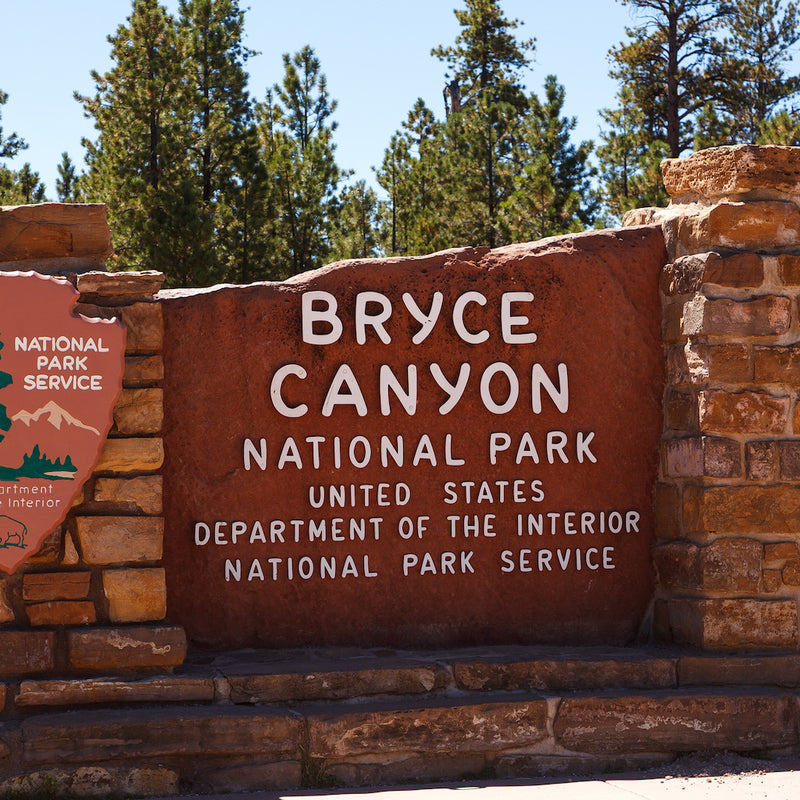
(12, 533)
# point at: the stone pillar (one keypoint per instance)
(93, 599)
(728, 499)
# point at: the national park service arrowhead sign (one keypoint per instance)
(60, 377)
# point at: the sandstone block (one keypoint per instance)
(107, 691)
(735, 624)
(139, 412)
(143, 321)
(71, 557)
(761, 460)
(796, 420)
(50, 550)
(758, 225)
(771, 580)
(6, 610)
(730, 363)
(26, 652)
(131, 495)
(126, 456)
(781, 551)
(777, 364)
(61, 612)
(660, 723)
(703, 456)
(335, 684)
(54, 237)
(789, 266)
(764, 316)
(668, 511)
(120, 540)
(492, 727)
(733, 170)
(687, 364)
(688, 274)
(109, 650)
(749, 510)
(143, 371)
(38, 587)
(790, 574)
(122, 736)
(743, 412)
(732, 565)
(789, 460)
(135, 595)
(678, 565)
(119, 287)
(585, 672)
(681, 411)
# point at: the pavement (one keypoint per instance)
(755, 781)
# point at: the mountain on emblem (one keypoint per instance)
(56, 416)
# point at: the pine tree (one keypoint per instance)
(751, 63)
(355, 231)
(138, 164)
(298, 149)
(211, 33)
(485, 101)
(11, 144)
(552, 194)
(665, 65)
(67, 181)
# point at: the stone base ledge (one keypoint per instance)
(253, 720)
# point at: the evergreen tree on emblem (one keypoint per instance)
(5, 422)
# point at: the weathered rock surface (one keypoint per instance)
(54, 237)
(734, 170)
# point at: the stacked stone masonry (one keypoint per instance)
(94, 597)
(728, 500)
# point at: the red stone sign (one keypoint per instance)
(453, 449)
(60, 376)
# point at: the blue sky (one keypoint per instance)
(376, 57)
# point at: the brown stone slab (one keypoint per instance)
(777, 670)
(36, 694)
(119, 287)
(735, 624)
(330, 684)
(59, 234)
(120, 540)
(26, 652)
(594, 311)
(61, 612)
(478, 727)
(567, 674)
(143, 371)
(143, 321)
(741, 509)
(110, 650)
(125, 735)
(686, 722)
(139, 412)
(127, 456)
(42, 586)
(135, 595)
(734, 169)
(764, 226)
(142, 495)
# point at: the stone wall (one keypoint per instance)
(93, 599)
(728, 502)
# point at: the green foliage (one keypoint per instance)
(11, 144)
(297, 148)
(751, 61)
(67, 183)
